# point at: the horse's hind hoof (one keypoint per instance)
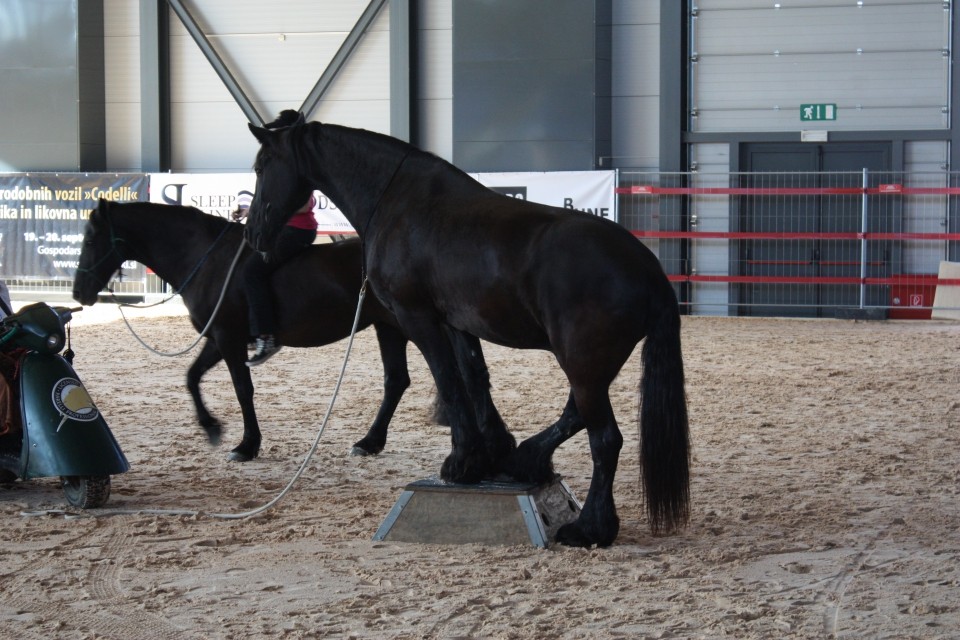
(573, 535)
(213, 429)
(240, 456)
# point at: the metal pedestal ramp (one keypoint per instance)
(432, 511)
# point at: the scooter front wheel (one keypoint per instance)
(8, 462)
(86, 492)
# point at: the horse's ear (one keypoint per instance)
(258, 132)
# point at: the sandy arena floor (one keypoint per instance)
(825, 500)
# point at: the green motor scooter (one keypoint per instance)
(61, 432)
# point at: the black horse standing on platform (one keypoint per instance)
(317, 294)
(447, 255)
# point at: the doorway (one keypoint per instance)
(804, 165)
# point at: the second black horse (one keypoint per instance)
(316, 303)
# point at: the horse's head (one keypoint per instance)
(281, 190)
(100, 257)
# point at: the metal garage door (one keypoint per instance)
(885, 65)
(806, 166)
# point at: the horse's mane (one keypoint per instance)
(292, 119)
(176, 214)
(286, 118)
(395, 144)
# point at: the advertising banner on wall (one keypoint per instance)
(221, 194)
(43, 216)
(589, 191)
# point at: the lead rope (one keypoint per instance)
(293, 480)
(213, 316)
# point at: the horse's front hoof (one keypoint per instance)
(357, 450)
(463, 469)
(365, 447)
(238, 455)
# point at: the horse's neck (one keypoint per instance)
(355, 169)
(170, 250)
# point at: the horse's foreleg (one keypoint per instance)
(208, 358)
(249, 447)
(533, 460)
(468, 461)
(499, 441)
(396, 380)
(598, 523)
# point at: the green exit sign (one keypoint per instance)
(814, 112)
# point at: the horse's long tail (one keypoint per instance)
(664, 428)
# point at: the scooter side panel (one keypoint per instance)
(64, 432)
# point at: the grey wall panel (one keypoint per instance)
(710, 256)
(211, 137)
(43, 109)
(924, 161)
(122, 60)
(522, 31)
(243, 18)
(276, 55)
(841, 28)
(800, 4)
(91, 114)
(636, 132)
(121, 43)
(636, 52)
(38, 156)
(277, 59)
(435, 77)
(123, 136)
(38, 34)
(496, 98)
(121, 18)
(192, 79)
(435, 65)
(40, 72)
(626, 12)
(635, 88)
(926, 156)
(437, 136)
(559, 155)
(883, 64)
(531, 74)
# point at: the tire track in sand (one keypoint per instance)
(123, 618)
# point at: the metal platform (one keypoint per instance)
(432, 511)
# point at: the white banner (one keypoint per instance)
(590, 191)
(220, 194)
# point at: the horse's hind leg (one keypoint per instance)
(499, 441)
(396, 380)
(598, 523)
(533, 459)
(208, 358)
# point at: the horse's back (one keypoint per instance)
(323, 284)
(525, 275)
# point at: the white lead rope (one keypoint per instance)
(213, 316)
(293, 480)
